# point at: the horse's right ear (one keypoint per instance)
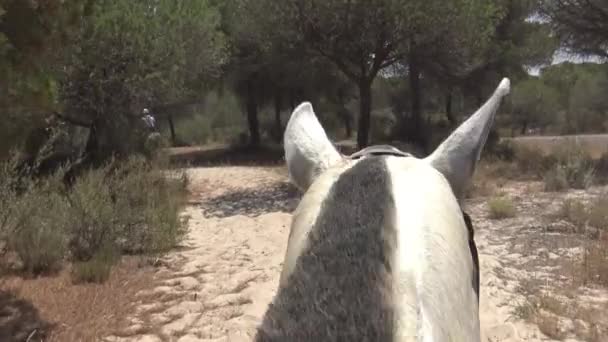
(308, 151)
(457, 156)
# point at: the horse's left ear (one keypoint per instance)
(457, 156)
(308, 151)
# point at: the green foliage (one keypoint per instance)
(556, 179)
(580, 25)
(533, 104)
(98, 268)
(588, 103)
(31, 34)
(577, 164)
(124, 207)
(501, 207)
(152, 56)
(94, 222)
(593, 214)
(573, 211)
(37, 222)
(565, 99)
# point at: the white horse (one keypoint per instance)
(379, 249)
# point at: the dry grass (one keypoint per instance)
(592, 221)
(595, 144)
(55, 309)
(501, 207)
(572, 264)
(550, 325)
(575, 212)
(552, 314)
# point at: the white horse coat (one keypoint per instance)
(378, 248)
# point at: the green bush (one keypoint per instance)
(98, 268)
(129, 206)
(556, 179)
(93, 218)
(573, 211)
(577, 164)
(147, 205)
(36, 226)
(501, 207)
(595, 214)
(572, 168)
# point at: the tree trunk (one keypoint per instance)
(524, 127)
(292, 100)
(92, 145)
(448, 109)
(347, 125)
(278, 126)
(171, 128)
(417, 131)
(345, 115)
(365, 108)
(478, 97)
(252, 115)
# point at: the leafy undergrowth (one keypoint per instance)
(128, 207)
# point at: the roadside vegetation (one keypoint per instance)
(124, 207)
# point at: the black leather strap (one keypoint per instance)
(473, 248)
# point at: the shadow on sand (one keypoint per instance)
(279, 197)
(20, 320)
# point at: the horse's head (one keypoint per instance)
(378, 248)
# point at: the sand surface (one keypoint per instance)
(217, 285)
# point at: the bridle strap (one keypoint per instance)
(379, 150)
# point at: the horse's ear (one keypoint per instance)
(457, 156)
(308, 151)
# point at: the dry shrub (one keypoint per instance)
(555, 180)
(502, 151)
(490, 174)
(568, 165)
(598, 214)
(501, 207)
(480, 187)
(574, 212)
(549, 325)
(601, 168)
(591, 219)
(531, 162)
(572, 167)
(595, 262)
(594, 215)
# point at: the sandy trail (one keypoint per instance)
(216, 287)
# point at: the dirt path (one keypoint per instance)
(217, 285)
